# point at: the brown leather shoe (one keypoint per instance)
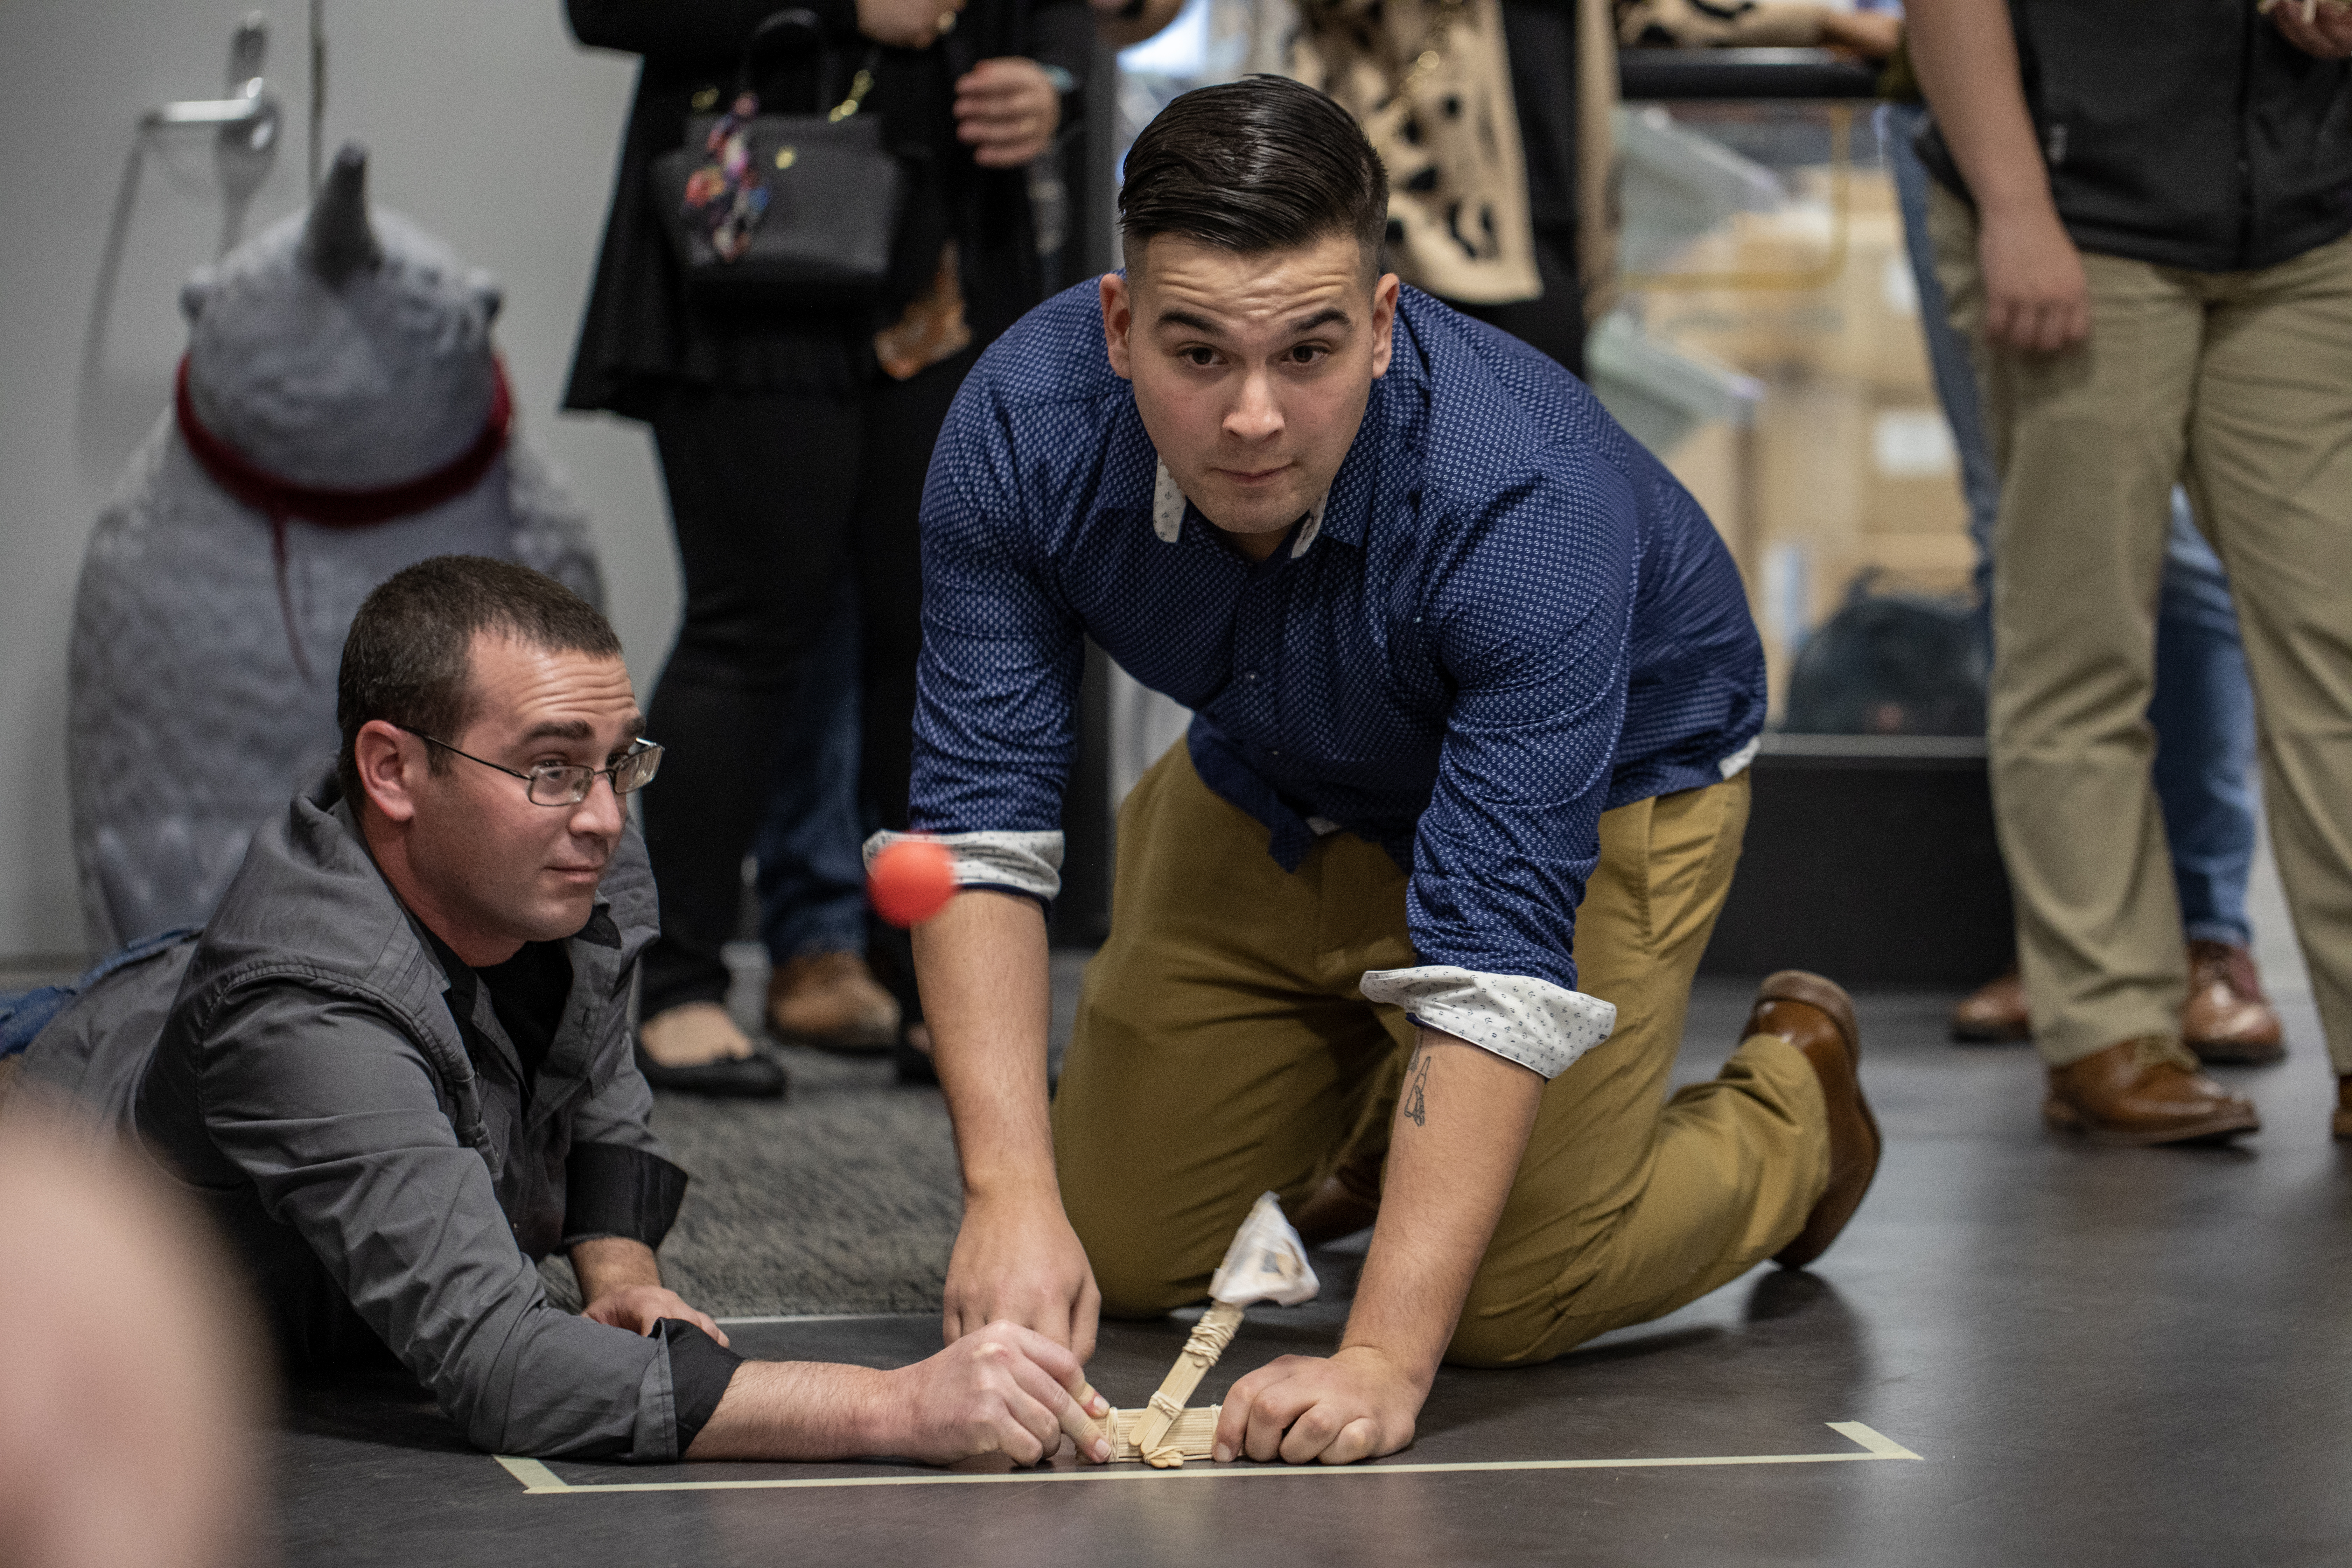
(2344, 1108)
(1816, 1016)
(1994, 1013)
(832, 1001)
(2144, 1092)
(2228, 1018)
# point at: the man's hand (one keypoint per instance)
(622, 1284)
(905, 24)
(1021, 1263)
(1461, 1125)
(1006, 110)
(1002, 1389)
(638, 1307)
(2037, 300)
(2327, 34)
(1357, 1404)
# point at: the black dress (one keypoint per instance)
(1539, 36)
(789, 457)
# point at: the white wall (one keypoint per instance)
(485, 122)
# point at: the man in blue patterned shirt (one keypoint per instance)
(1475, 687)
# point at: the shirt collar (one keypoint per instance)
(1167, 514)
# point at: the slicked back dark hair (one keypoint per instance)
(409, 659)
(1262, 164)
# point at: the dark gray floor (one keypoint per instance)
(2100, 1356)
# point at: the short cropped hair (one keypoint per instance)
(409, 659)
(1262, 164)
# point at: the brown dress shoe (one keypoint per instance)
(2228, 1018)
(2344, 1108)
(1816, 1016)
(1994, 1013)
(2145, 1091)
(832, 1001)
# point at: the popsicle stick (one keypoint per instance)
(1208, 1341)
(1191, 1436)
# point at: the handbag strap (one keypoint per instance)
(801, 27)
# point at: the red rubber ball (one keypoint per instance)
(911, 881)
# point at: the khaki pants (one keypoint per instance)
(2238, 385)
(1223, 1051)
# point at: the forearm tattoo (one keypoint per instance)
(1416, 1096)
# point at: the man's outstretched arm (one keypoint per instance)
(1004, 1389)
(1461, 1127)
(987, 995)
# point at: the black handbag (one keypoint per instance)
(831, 192)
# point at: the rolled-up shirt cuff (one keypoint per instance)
(700, 1368)
(1532, 1022)
(610, 1189)
(1027, 863)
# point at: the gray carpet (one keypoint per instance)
(844, 1198)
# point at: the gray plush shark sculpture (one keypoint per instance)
(339, 415)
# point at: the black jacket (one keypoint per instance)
(2182, 133)
(640, 334)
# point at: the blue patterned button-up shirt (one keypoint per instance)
(1504, 618)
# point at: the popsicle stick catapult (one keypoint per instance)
(1267, 1262)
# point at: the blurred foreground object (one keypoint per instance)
(128, 1385)
(341, 414)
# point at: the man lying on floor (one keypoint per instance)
(1474, 687)
(396, 1065)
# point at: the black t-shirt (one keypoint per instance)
(528, 992)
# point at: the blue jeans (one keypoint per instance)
(812, 875)
(2203, 709)
(24, 1014)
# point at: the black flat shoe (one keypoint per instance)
(737, 1077)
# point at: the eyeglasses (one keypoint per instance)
(568, 783)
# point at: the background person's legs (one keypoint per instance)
(2203, 714)
(1948, 351)
(2203, 709)
(901, 426)
(811, 876)
(2271, 474)
(2089, 442)
(760, 488)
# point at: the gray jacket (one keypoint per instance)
(383, 1174)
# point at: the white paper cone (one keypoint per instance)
(1267, 1262)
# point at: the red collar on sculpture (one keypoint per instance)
(279, 499)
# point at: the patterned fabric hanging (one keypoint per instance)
(1430, 83)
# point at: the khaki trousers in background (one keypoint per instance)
(1224, 1050)
(2238, 385)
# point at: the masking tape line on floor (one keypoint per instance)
(540, 1481)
